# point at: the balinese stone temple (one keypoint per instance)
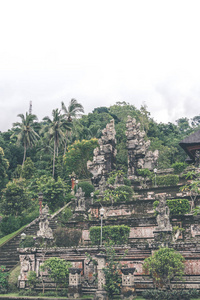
(150, 228)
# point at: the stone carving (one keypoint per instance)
(163, 219)
(44, 230)
(104, 155)
(75, 287)
(27, 265)
(80, 200)
(138, 155)
(128, 286)
(101, 293)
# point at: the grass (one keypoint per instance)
(9, 236)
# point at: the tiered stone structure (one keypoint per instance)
(138, 155)
(104, 155)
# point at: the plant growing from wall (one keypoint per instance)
(67, 237)
(58, 270)
(178, 206)
(163, 266)
(118, 234)
(112, 271)
(167, 180)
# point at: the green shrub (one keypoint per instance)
(178, 206)
(86, 187)
(65, 215)
(179, 167)
(27, 242)
(118, 234)
(170, 295)
(124, 196)
(67, 237)
(167, 180)
(144, 173)
(13, 279)
(3, 280)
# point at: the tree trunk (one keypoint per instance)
(54, 156)
(24, 155)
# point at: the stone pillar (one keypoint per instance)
(128, 285)
(75, 286)
(101, 293)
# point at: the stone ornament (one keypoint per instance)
(162, 218)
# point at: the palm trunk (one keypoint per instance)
(24, 155)
(54, 156)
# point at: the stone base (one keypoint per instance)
(128, 292)
(74, 291)
(100, 295)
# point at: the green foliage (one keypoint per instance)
(27, 242)
(112, 272)
(113, 175)
(32, 279)
(167, 180)
(13, 279)
(124, 193)
(163, 266)
(28, 168)
(178, 206)
(4, 164)
(54, 191)
(3, 280)
(169, 295)
(58, 270)
(67, 237)
(65, 216)
(179, 167)
(144, 173)
(77, 156)
(14, 198)
(86, 187)
(118, 234)
(10, 224)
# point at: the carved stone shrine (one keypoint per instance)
(104, 155)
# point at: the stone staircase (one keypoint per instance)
(9, 256)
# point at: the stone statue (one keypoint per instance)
(163, 219)
(80, 200)
(44, 230)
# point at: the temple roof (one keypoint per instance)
(191, 143)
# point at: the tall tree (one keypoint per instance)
(71, 112)
(55, 129)
(25, 132)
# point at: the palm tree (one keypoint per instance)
(71, 112)
(55, 131)
(25, 132)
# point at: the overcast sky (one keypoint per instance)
(99, 52)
